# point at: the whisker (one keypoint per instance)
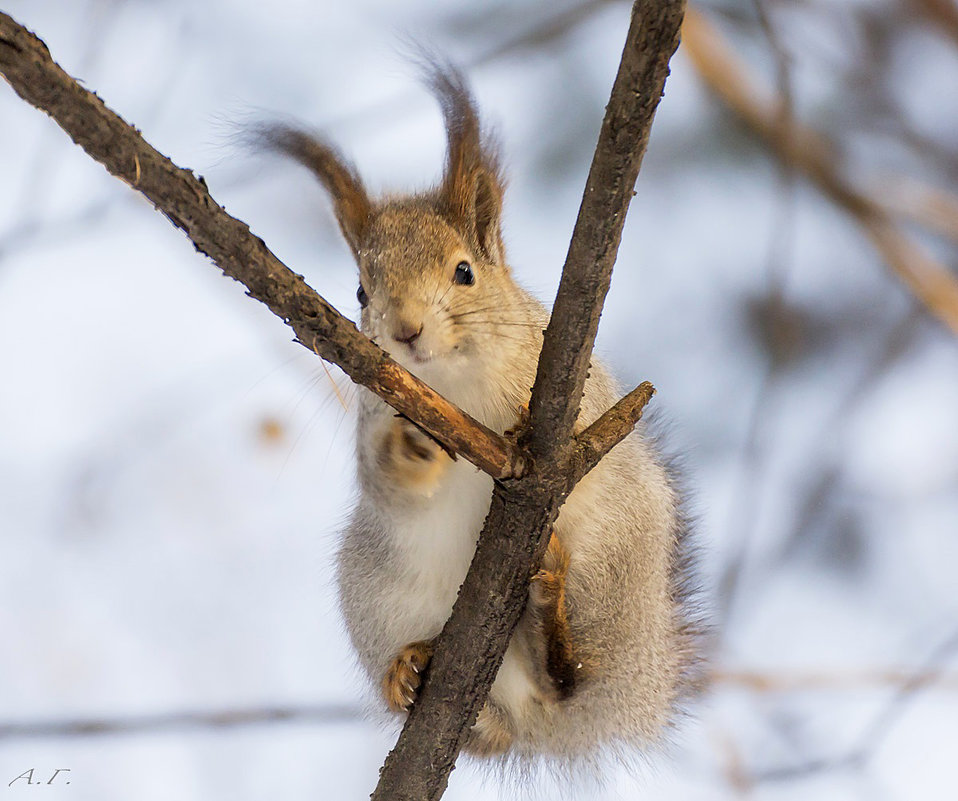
(503, 335)
(438, 302)
(494, 323)
(475, 309)
(470, 312)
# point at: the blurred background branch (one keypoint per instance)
(933, 283)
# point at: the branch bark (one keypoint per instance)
(522, 511)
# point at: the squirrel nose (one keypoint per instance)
(407, 332)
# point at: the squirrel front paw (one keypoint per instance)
(413, 459)
(521, 424)
(402, 679)
(414, 443)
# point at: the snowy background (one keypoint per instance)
(173, 469)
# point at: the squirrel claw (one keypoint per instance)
(403, 677)
(521, 424)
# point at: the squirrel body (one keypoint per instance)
(606, 646)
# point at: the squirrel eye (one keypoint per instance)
(464, 274)
(361, 296)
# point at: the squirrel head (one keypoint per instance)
(434, 286)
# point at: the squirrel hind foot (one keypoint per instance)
(404, 675)
(491, 735)
(559, 658)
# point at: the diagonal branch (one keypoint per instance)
(27, 65)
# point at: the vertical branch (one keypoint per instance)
(474, 639)
(568, 342)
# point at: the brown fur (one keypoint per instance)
(353, 207)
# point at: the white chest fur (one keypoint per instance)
(436, 538)
(437, 541)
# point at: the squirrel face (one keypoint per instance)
(423, 288)
(433, 282)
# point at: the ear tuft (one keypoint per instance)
(486, 213)
(470, 195)
(350, 201)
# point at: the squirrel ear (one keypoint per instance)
(470, 195)
(350, 201)
(486, 215)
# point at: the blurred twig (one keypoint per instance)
(175, 721)
(907, 682)
(821, 681)
(724, 73)
(919, 203)
(930, 673)
(943, 13)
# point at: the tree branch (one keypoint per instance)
(26, 64)
(568, 341)
(522, 512)
(609, 430)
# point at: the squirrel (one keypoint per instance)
(608, 645)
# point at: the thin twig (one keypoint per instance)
(917, 202)
(606, 432)
(769, 681)
(871, 738)
(764, 682)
